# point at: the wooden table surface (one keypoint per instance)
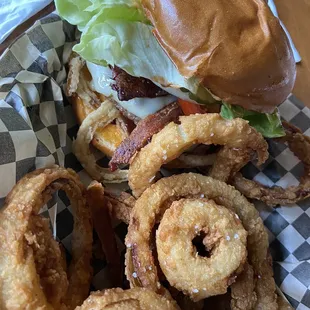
(295, 14)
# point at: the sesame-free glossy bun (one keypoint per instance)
(237, 48)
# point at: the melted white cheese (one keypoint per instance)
(141, 107)
(176, 92)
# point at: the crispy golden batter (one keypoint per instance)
(120, 205)
(243, 291)
(133, 299)
(224, 237)
(31, 267)
(283, 303)
(76, 64)
(141, 269)
(174, 139)
(48, 261)
(228, 162)
(104, 115)
(192, 161)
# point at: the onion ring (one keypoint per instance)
(174, 139)
(120, 205)
(243, 291)
(228, 162)
(136, 298)
(140, 266)
(76, 64)
(299, 144)
(225, 237)
(20, 284)
(104, 115)
(47, 257)
(192, 161)
(283, 304)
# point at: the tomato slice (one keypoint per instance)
(189, 108)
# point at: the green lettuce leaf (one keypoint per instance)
(80, 12)
(269, 125)
(75, 12)
(99, 4)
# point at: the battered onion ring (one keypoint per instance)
(282, 302)
(192, 161)
(20, 283)
(140, 266)
(174, 139)
(299, 144)
(136, 298)
(104, 115)
(120, 205)
(228, 162)
(225, 237)
(48, 259)
(243, 296)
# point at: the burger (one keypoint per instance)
(159, 58)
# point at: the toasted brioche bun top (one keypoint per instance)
(237, 48)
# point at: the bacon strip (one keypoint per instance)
(144, 131)
(103, 226)
(129, 87)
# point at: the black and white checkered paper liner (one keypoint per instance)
(37, 127)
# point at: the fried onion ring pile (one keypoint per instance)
(133, 299)
(104, 115)
(32, 270)
(154, 206)
(174, 139)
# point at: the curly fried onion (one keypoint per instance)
(136, 298)
(192, 161)
(32, 270)
(104, 115)
(120, 205)
(223, 236)
(141, 269)
(299, 144)
(174, 139)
